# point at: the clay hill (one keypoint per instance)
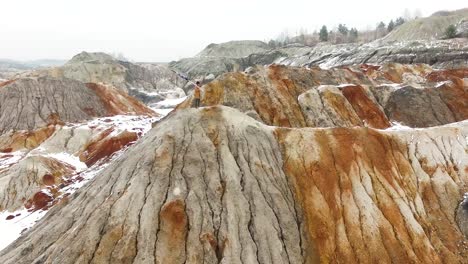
(218, 186)
(30, 103)
(54, 133)
(148, 82)
(353, 153)
(432, 27)
(440, 54)
(361, 95)
(282, 165)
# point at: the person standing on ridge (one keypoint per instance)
(196, 94)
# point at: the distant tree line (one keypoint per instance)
(342, 33)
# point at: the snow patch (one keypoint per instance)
(22, 220)
(12, 229)
(166, 106)
(397, 127)
(69, 159)
(329, 63)
(8, 159)
(163, 112)
(345, 85)
(122, 123)
(395, 86)
(168, 103)
(440, 84)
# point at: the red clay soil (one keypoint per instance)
(365, 108)
(39, 201)
(2, 84)
(28, 139)
(369, 69)
(455, 96)
(48, 180)
(328, 185)
(444, 75)
(173, 230)
(105, 146)
(117, 102)
(287, 107)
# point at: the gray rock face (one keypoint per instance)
(439, 54)
(212, 185)
(462, 29)
(428, 103)
(234, 49)
(30, 103)
(462, 215)
(102, 68)
(427, 28)
(361, 95)
(204, 192)
(20, 183)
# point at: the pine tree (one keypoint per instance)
(400, 21)
(381, 30)
(390, 26)
(353, 34)
(323, 35)
(450, 32)
(343, 29)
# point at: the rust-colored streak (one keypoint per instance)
(104, 146)
(365, 108)
(173, 229)
(40, 200)
(54, 119)
(117, 102)
(351, 184)
(48, 180)
(337, 103)
(6, 150)
(288, 110)
(369, 69)
(455, 96)
(444, 75)
(3, 84)
(27, 139)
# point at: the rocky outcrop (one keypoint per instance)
(153, 82)
(31, 103)
(47, 161)
(462, 215)
(43, 150)
(213, 177)
(427, 28)
(234, 49)
(385, 197)
(438, 53)
(462, 29)
(365, 95)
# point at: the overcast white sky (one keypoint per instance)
(155, 30)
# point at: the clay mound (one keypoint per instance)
(30, 103)
(54, 161)
(427, 28)
(363, 95)
(19, 184)
(213, 185)
(150, 82)
(234, 49)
